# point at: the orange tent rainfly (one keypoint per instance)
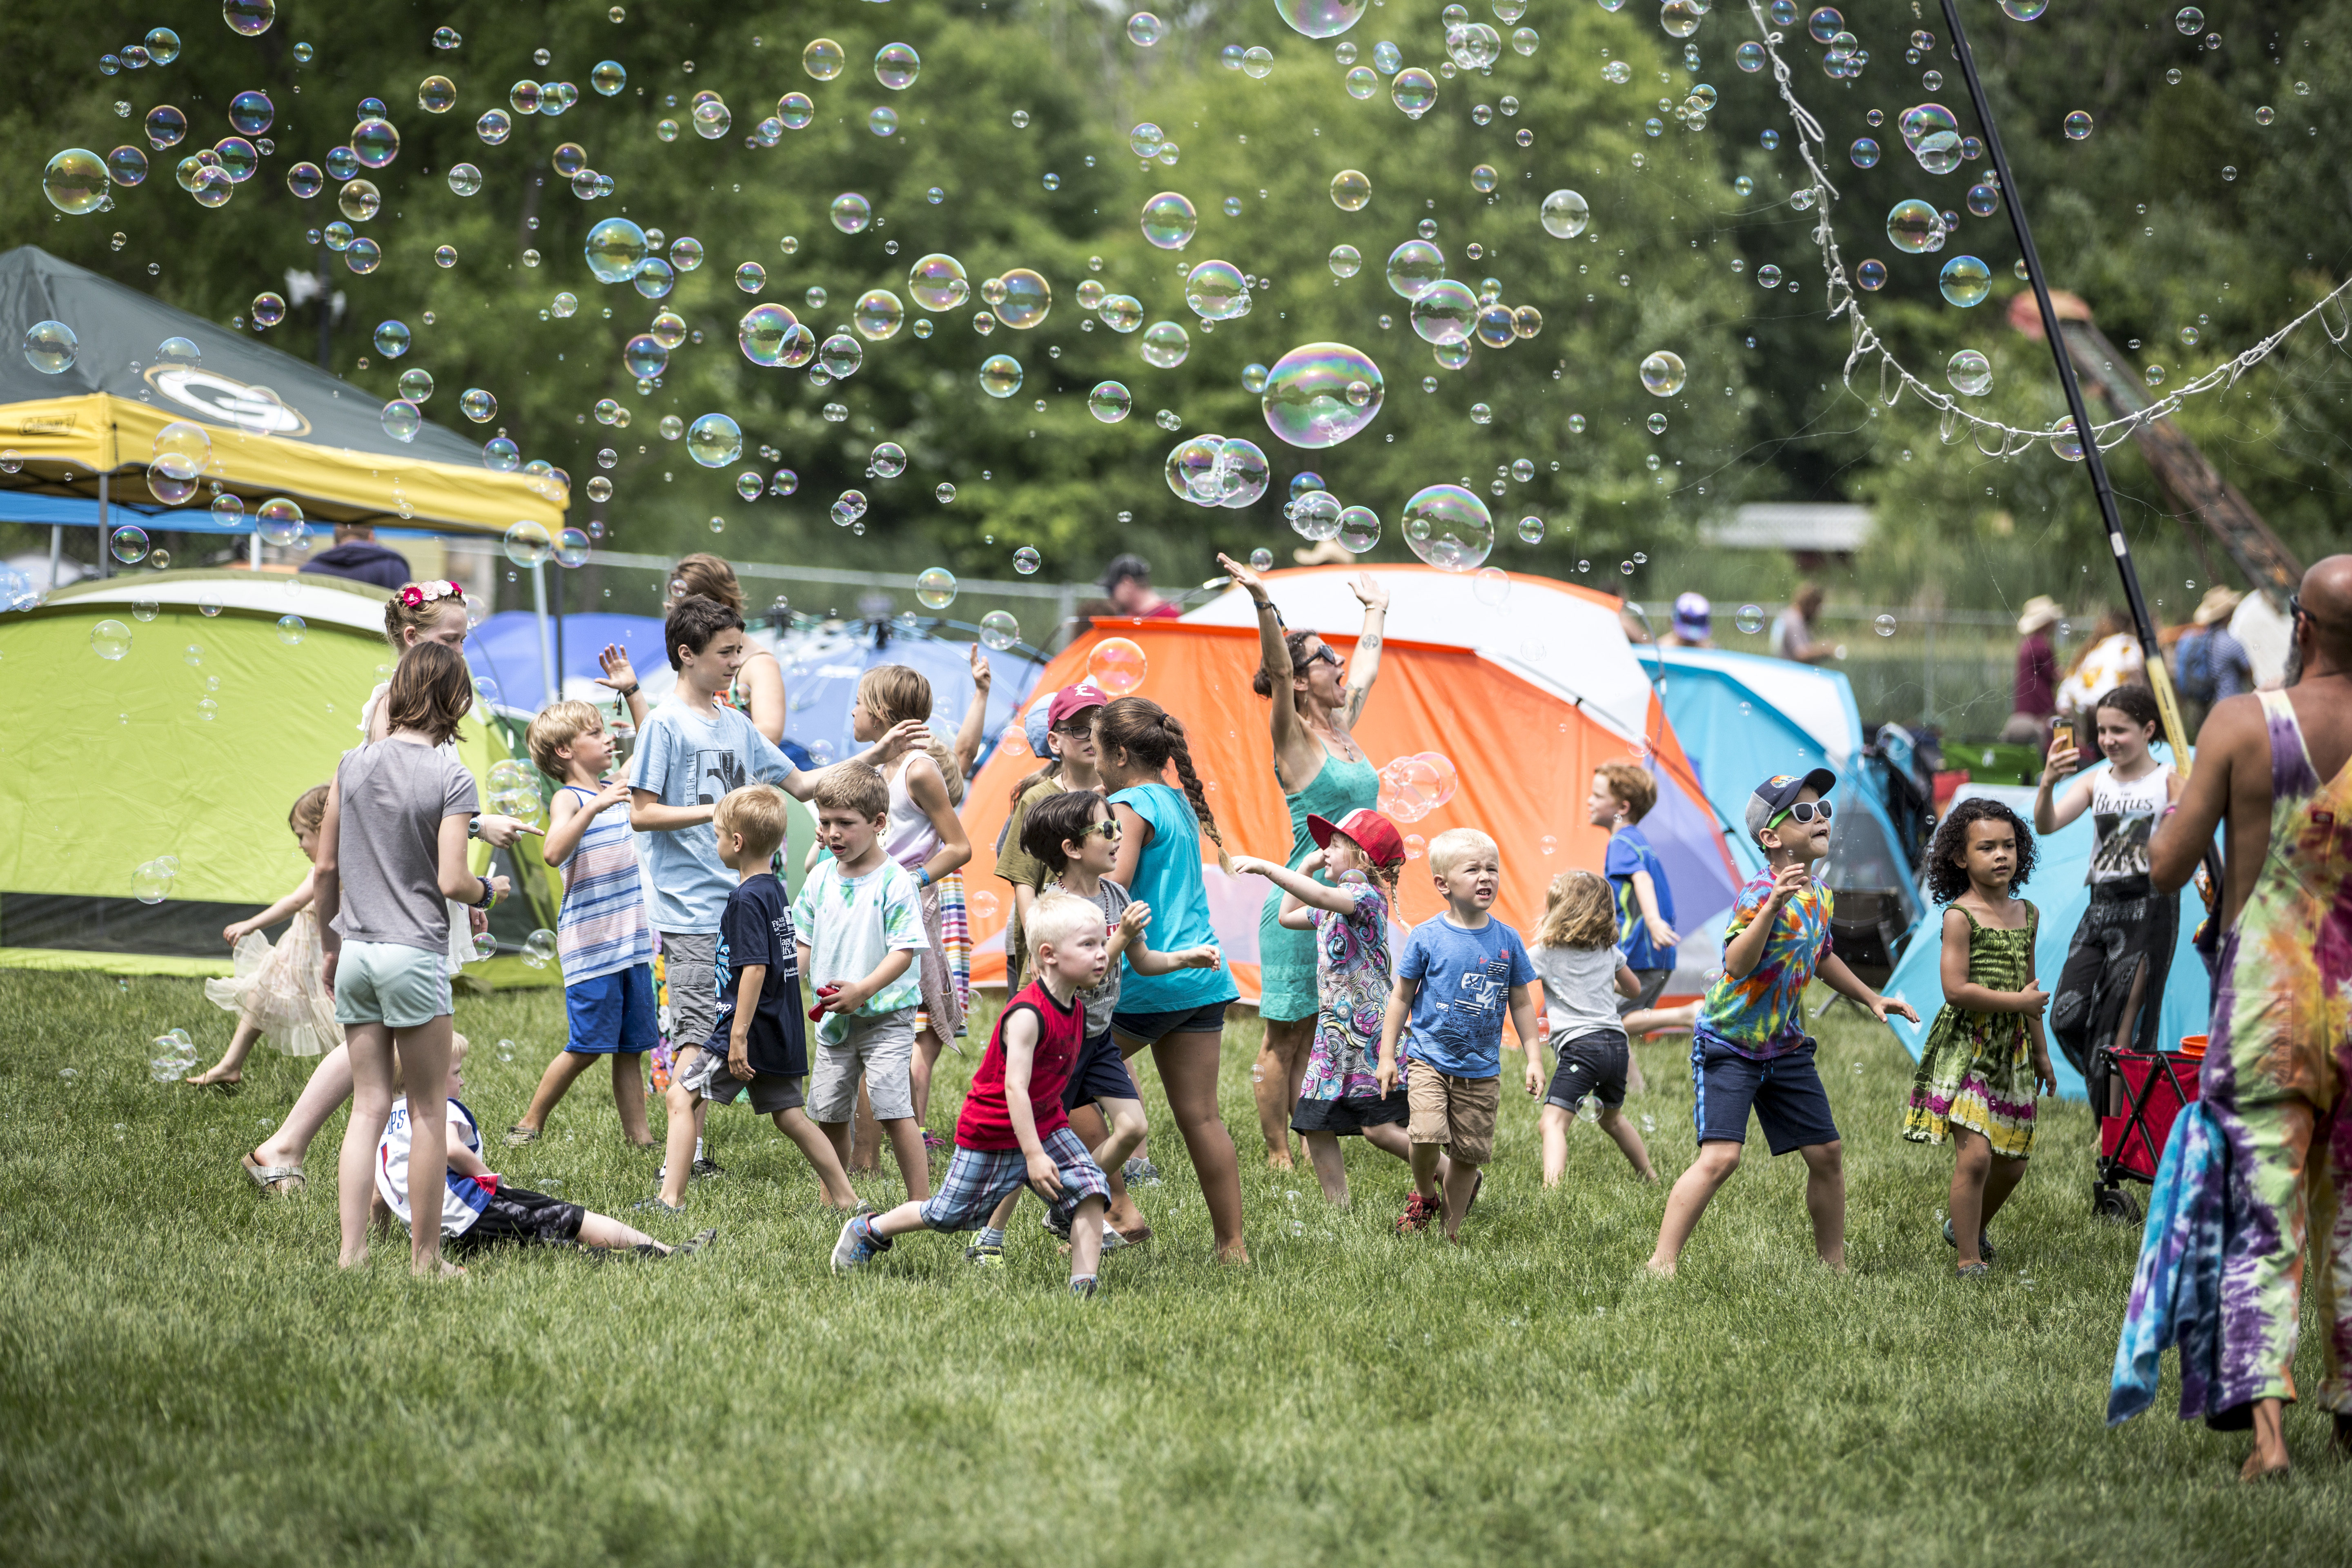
(1526, 691)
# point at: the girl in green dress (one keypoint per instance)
(1316, 696)
(1985, 1058)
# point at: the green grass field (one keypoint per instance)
(185, 1377)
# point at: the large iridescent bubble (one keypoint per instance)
(1449, 527)
(1169, 220)
(764, 334)
(938, 282)
(1320, 19)
(1446, 311)
(1312, 395)
(614, 249)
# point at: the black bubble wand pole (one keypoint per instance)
(2159, 679)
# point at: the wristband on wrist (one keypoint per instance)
(490, 893)
(628, 690)
(922, 876)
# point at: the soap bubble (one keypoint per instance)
(128, 543)
(400, 419)
(761, 334)
(126, 166)
(1110, 402)
(998, 631)
(1564, 215)
(1121, 312)
(938, 282)
(1169, 220)
(1914, 227)
(714, 441)
(279, 521)
(571, 547)
(1360, 528)
(1970, 373)
(824, 59)
(1413, 90)
(1000, 375)
(1350, 189)
(614, 249)
(1884, 626)
(1320, 19)
(477, 406)
(645, 356)
(1409, 789)
(74, 182)
(1144, 29)
(2024, 10)
(1308, 400)
(152, 883)
(1027, 297)
(1664, 373)
(290, 629)
(1448, 526)
(935, 587)
(889, 460)
(1749, 618)
(2064, 443)
(527, 544)
(1217, 291)
(50, 347)
(250, 18)
(608, 77)
(539, 948)
(1443, 312)
(1346, 261)
(2078, 125)
(1026, 560)
(1871, 275)
(1965, 280)
(1117, 665)
(1165, 345)
(896, 66)
(851, 212)
(877, 314)
(1414, 267)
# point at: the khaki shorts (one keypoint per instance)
(1458, 1112)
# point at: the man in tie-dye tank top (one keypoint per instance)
(2274, 769)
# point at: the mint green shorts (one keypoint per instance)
(385, 982)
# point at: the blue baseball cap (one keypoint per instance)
(1779, 793)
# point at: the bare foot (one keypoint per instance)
(214, 1074)
(2259, 1468)
(447, 1271)
(1657, 1270)
(1280, 1162)
(352, 1259)
(1237, 1253)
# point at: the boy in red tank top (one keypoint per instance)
(1014, 1131)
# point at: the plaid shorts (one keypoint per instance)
(977, 1180)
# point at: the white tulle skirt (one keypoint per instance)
(283, 989)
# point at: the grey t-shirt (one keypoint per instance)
(1579, 986)
(391, 796)
(1103, 1000)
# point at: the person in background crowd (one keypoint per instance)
(1693, 623)
(356, 555)
(1792, 628)
(2112, 659)
(2035, 702)
(1127, 583)
(2209, 663)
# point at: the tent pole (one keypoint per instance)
(558, 598)
(253, 549)
(56, 551)
(2159, 679)
(546, 649)
(105, 552)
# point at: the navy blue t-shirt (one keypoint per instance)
(757, 928)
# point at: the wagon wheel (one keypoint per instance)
(2114, 1206)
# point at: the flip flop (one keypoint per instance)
(269, 1177)
(700, 1239)
(1136, 1237)
(519, 1135)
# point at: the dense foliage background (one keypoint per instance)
(2179, 210)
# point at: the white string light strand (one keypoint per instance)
(1894, 377)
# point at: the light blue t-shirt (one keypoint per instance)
(1168, 877)
(1466, 979)
(695, 759)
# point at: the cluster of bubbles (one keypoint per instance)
(1414, 786)
(1218, 471)
(514, 789)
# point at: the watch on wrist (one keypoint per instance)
(474, 826)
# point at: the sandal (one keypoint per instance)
(1975, 1270)
(518, 1135)
(1984, 1242)
(275, 1181)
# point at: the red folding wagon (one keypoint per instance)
(2146, 1093)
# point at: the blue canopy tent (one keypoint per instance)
(2059, 891)
(1744, 717)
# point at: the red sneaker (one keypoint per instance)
(1418, 1211)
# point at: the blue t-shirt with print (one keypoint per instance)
(1465, 978)
(689, 758)
(1630, 851)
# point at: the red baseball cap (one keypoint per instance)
(1072, 699)
(1373, 834)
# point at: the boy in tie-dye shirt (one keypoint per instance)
(1749, 1049)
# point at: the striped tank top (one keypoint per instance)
(602, 929)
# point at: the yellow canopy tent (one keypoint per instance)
(276, 425)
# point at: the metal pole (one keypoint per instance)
(558, 598)
(546, 648)
(253, 549)
(2159, 679)
(105, 550)
(57, 553)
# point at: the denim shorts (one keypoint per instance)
(385, 982)
(1785, 1091)
(612, 1012)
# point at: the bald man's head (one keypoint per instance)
(2326, 595)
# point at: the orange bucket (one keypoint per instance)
(2193, 1046)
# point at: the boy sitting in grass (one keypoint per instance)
(1458, 972)
(1013, 1129)
(1749, 1047)
(478, 1209)
(757, 1041)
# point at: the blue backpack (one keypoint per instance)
(2194, 657)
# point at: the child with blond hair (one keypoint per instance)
(1584, 973)
(602, 937)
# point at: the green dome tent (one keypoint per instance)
(195, 742)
